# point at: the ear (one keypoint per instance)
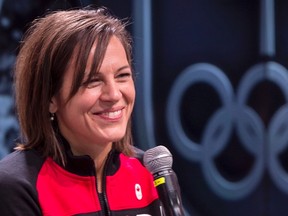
(53, 107)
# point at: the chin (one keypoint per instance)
(116, 139)
(114, 135)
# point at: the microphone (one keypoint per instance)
(158, 161)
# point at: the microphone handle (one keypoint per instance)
(168, 189)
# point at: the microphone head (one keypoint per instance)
(157, 158)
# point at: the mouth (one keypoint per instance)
(111, 115)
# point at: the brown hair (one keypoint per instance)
(46, 50)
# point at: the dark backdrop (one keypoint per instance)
(225, 138)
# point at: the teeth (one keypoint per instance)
(112, 114)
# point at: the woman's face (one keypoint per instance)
(99, 112)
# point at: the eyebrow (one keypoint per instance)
(118, 70)
(122, 68)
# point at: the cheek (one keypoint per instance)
(79, 103)
(83, 102)
(130, 100)
(132, 91)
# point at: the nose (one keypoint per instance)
(110, 92)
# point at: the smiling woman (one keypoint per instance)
(75, 94)
(99, 112)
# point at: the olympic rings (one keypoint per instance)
(234, 113)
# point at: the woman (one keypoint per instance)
(75, 94)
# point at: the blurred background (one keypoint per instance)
(212, 86)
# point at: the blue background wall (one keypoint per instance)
(212, 86)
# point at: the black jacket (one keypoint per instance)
(31, 185)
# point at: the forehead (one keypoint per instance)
(114, 53)
(89, 61)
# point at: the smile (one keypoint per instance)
(111, 115)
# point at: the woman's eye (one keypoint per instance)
(92, 83)
(94, 80)
(124, 75)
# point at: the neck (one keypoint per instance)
(99, 162)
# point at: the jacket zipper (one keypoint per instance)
(103, 196)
